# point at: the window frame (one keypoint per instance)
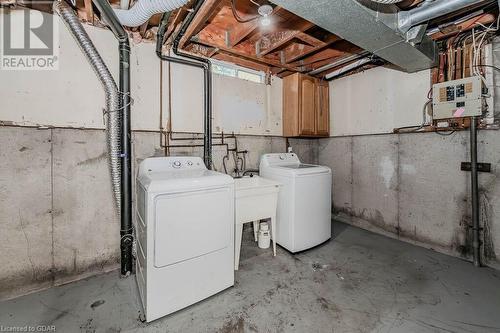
(229, 66)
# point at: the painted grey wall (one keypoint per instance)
(57, 216)
(410, 187)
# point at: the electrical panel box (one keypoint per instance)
(458, 98)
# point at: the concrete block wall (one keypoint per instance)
(57, 216)
(410, 187)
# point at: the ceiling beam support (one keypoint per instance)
(244, 55)
(205, 13)
(273, 41)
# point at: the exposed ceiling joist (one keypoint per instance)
(241, 62)
(209, 9)
(247, 56)
(293, 56)
(89, 11)
(290, 44)
(273, 41)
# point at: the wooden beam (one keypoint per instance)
(245, 55)
(319, 56)
(310, 39)
(143, 28)
(290, 57)
(277, 70)
(89, 11)
(178, 16)
(203, 50)
(354, 71)
(321, 63)
(271, 42)
(241, 62)
(208, 9)
(284, 73)
(240, 32)
(294, 50)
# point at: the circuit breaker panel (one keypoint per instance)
(458, 98)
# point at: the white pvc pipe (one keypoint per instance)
(142, 11)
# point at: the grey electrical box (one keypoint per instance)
(458, 98)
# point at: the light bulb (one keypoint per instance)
(265, 10)
(265, 21)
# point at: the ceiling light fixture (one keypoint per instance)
(265, 11)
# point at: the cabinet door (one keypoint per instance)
(291, 105)
(322, 109)
(307, 106)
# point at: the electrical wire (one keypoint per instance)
(477, 47)
(424, 120)
(444, 133)
(237, 17)
(489, 66)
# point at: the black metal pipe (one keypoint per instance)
(126, 228)
(199, 62)
(476, 243)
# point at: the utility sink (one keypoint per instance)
(256, 198)
(248, 186)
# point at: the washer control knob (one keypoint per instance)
(190, 163)
(282, 157)
(176, 164)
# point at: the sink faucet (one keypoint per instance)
(250, 171)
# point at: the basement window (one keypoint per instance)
(237, 72)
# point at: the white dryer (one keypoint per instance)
(185, 233)
(303, 218)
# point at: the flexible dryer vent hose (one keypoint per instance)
(142, 11)
(111, 91)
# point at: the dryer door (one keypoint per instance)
(191, 224)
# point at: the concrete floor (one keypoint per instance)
(358, 282)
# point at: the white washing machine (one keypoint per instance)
(185, 233)
(303, 218)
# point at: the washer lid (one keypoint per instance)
(289, 164)
(297, 169)
(299, 166)
(172, 174)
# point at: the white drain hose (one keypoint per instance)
(142, 11)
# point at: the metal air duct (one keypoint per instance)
(381, 29)
(430, 10)
(111, 91)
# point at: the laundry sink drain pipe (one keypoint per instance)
(193, 61)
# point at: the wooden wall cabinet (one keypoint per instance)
(306, 111)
